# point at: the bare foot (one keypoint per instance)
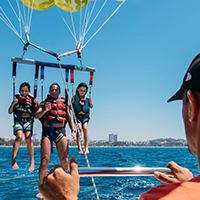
(39, 195)
(14, 164)
(87, 151)
(80, 152)
(31, 167)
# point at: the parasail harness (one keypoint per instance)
(15, 111)
(67, 68)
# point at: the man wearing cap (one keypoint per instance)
(182, 186)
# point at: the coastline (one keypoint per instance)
(24, 146)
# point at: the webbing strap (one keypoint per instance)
(72, 80)
(14, 76)
(42, 80)
(36, 81)
(51, 133)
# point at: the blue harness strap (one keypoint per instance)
(51, 134)
(19, 118)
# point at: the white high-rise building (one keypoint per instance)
(112, 138)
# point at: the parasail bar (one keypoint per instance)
(54, 65)
(121, 171)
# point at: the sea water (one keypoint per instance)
(21, 184)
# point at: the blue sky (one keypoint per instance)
(141, 56)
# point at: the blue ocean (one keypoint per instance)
(21, 184)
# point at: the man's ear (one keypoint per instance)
(193, 105)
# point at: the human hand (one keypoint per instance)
(59, 185)
(35, 101)
(90, 102)
(15, 100)
(47, 106)
(180, 174)
(74, 136)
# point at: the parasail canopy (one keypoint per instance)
(67, 5)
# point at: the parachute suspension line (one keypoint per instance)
(103, 23)
(20, 23)
(26, 17)
(25, 20)
(84, 22)
(86, 31)
(30, 14)
(7, 21)
(72, 21)
(73, 34)
(18, 17)
(76, 123)
(13, 8)
(80, 22)
(88, 18)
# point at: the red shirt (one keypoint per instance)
(189, 190)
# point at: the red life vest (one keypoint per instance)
(25, 104)
(58, 110)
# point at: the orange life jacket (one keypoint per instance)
(58, 110)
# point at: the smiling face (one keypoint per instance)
(54, 91)
(24, 91)
(82, 91)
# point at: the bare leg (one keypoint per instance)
(86, 136)
(63, 152)
(18, 139)
(45, 156)
(78, 139)
(30, 150)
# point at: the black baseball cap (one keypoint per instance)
(191, 79)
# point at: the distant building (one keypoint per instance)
(112, 138)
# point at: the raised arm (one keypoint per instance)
(72, 101)
(40, 111)
(90, 102)
(14, 102)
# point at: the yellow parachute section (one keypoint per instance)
(67, 5)
(71, 5)
(39, 4)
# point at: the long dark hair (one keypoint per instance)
(82, 85)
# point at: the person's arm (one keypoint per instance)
(90, 102)
(71, 124)
(14, 102)
(72, 101)
(180, 174)
(36, 103)
(40, 112)
(60, 185)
